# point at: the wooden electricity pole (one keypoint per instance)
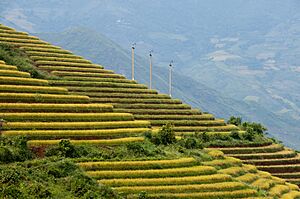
(170, 78)
(132, 61)
(150, 59)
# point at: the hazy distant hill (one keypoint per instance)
(244, 54)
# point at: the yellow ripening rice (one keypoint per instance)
(154, 173)
(203, 179)
(147, 164)
(117, 141)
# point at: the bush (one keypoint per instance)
(6, 155)
(204, 137)
(142, 195)
(137, 149)
(40, 190)
(235, 135)
(165, 135)
(49, 178)
(148, 135)
(191, 143)
(235, 120)
(14, 149)
(249, 135)
(64, 149)
(222, 137)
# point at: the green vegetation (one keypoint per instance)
(69, 142)
(14, 149)
(14, 56)
(49, 178)
(165, 135)
(252, 128)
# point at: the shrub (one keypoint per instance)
(40, 190)
(148, 135)
(235, 120)
(6, 155)
(49, 178)
(165, 135)
(190, 143)
(235, 135)
(64, 149)
(204, 137)
(220, 136)
(137, 148)
(61, 169)
(249, 135)
(142, 195)
(107, 192)
(14, 149)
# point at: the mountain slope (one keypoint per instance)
(84, 78)
(100, 49)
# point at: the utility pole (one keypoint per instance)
(150, 59)
(170, 77)
(132, 60)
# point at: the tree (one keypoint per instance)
(235, 120)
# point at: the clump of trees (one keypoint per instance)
(252, 129)
(14, 149)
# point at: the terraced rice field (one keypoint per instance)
(274, 158)
(92, 105)
(81, 77)
(188, 178)
(46, 114)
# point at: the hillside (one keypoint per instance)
(100, 49)
(118, 133)
(256, 54)
(90, 43)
